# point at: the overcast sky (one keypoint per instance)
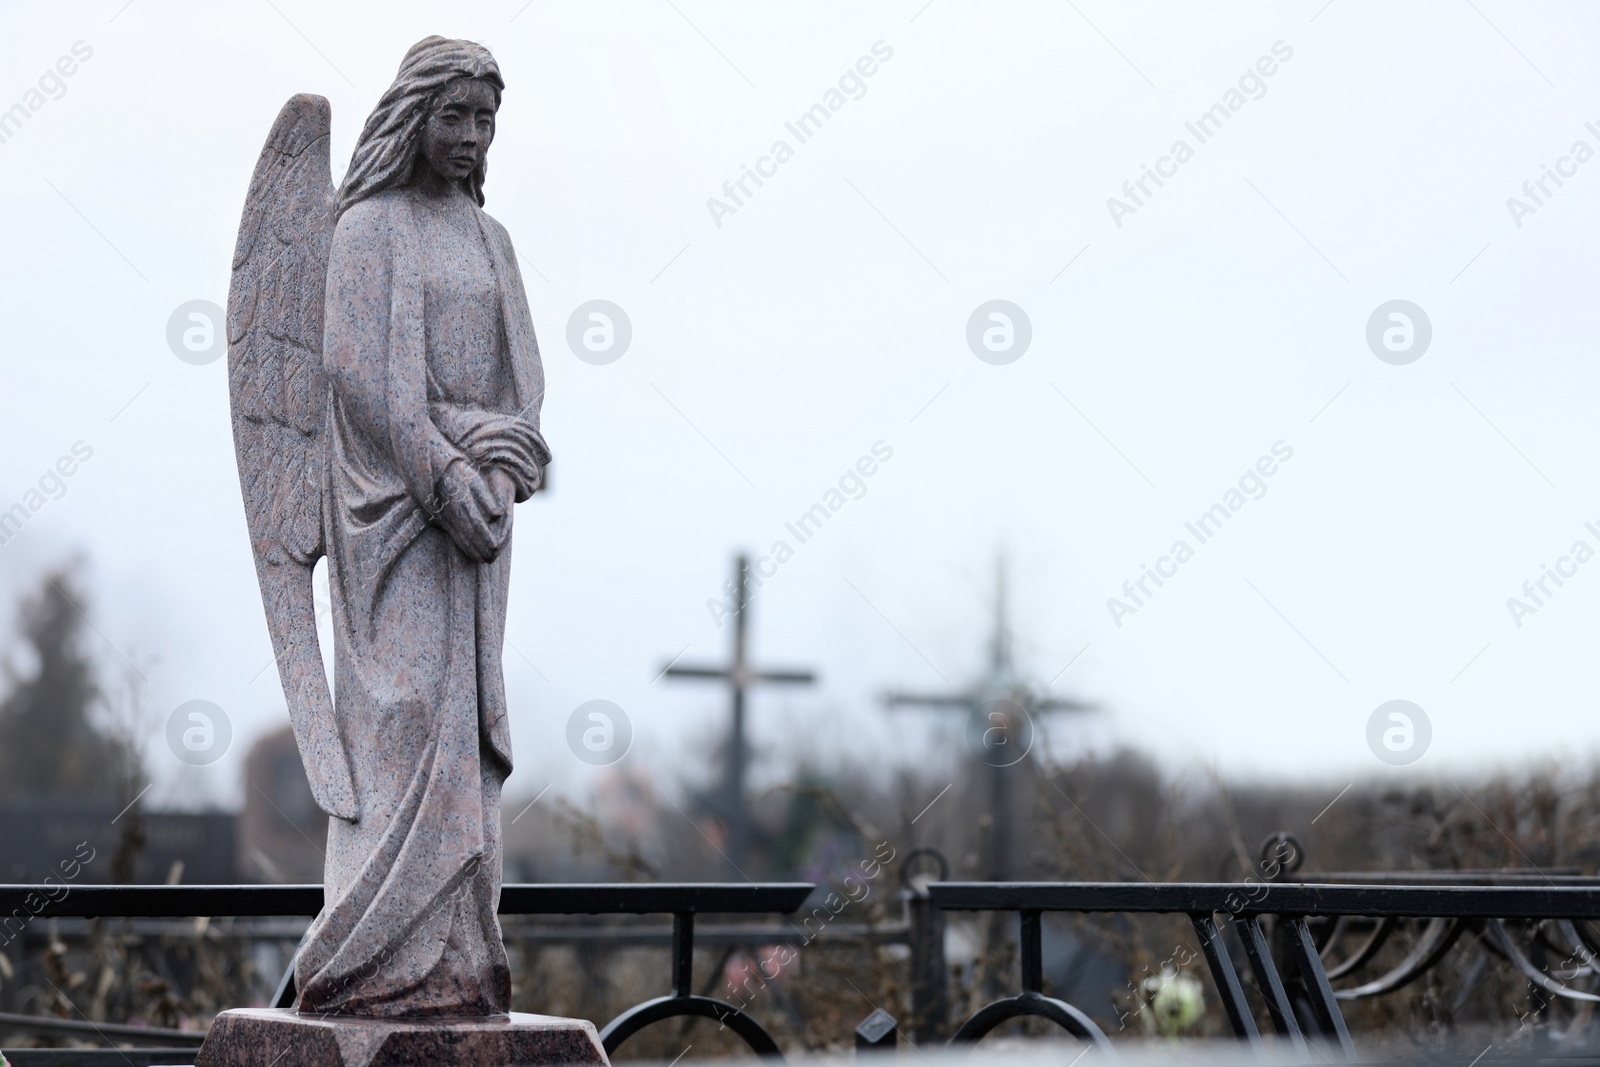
(774, 344)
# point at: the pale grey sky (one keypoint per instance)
(775, 345)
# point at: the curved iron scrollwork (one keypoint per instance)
(1032, 1001)
(920, 853)
(1321, 926)
(683, 1002)
(1343, 953)
(1583, 936)
(1381, 929)
(1438, 937)
(1581, 947)
(1038, 1005)
(640, 1016)
(1282, 854)
(1500, 938)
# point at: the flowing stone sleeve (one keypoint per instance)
(527, 368)
(372, 343)
(490, 438)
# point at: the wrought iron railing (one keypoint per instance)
(1292, 906)
(1306, 943)
(684, 901)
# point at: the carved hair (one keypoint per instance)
(386, 152)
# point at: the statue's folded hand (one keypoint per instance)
(496, 441)
(472, 514)
(503, 487)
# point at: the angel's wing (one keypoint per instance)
(280, 398)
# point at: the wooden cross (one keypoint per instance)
(739, 675)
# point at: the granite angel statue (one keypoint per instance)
(386, 386)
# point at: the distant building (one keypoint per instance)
(38, 835)
(282, 833)
(278, 837)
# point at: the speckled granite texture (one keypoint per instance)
(273, 1037)
(386, 388)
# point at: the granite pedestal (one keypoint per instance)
(282, 1037)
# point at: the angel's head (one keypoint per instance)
(439, 113)
(455, 138)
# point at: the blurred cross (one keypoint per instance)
(739, 675)
(1001, 708)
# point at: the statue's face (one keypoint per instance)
(457, 135)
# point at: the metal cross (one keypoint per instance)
(1000, 708)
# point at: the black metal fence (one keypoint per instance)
(683, 901)
(1296, 939)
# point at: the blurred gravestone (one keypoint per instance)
(281, 831)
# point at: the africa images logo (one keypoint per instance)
(599, 732)
(1399, 732)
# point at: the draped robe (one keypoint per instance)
(431, 361)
